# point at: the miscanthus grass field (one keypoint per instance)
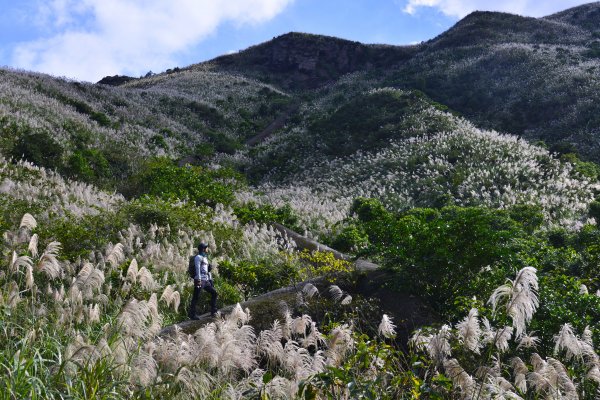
(486, 245)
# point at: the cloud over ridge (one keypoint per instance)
(94, 38)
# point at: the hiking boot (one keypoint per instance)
(215, 314)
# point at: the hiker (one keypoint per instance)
(202, 280)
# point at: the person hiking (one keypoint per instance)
(203, 280)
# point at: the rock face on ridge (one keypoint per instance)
(305, 61)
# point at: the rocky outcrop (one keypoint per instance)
(304, 61)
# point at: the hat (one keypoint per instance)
(202, 246)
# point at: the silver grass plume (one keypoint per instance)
(498, 338)
(134, 317)
(19, 262)
(269, 343)
(314, 337)
(309, 290)
(340, 343)
(565, 384)
(469, 331)
(48, 262)
(171, 297)
(14, 296)
(346, 300)
(28, 222)
(115, 255)
(499, 388)
(299, 324)
(280, 388)
(335, 292)
(566, 340)
(439, 346)
(460, 378)
(528, 341)
(420, 340)
(238, 316)
(146, 279)
(521, 298)
(33, 245)
(386, 327)
(298, 360)
(197, 383)
(583, 289)
(520, 372)
(144, 370)
(132, 271)
(92, 313)
(89, 279)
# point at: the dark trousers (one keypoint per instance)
(213, 298)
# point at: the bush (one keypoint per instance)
(162, 178)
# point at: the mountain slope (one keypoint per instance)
(534, 77)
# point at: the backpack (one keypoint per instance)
(192, 267)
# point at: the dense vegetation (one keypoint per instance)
(105, 190)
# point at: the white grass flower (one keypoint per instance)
(469, 331)
(29, 282)
(439, 348)
(335, 292)
(460, 378)
(171, 297)
(583, 289)
(115, 255)
(33, 245)
(566, 340)
(28, 222)
(48, 262)
(528, 341)
(386, 327)
(132, 271)
(346, 300)
(520, 372)
(146, 279)
(14, 296)
(521, 298)
(18, 262)
(89, 280)
(143, 370)
(309, 290)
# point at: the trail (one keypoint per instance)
(409, 311)
(277, 124)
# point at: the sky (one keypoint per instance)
(86, 40)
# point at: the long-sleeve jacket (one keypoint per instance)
(201, 263)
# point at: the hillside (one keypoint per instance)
(428, 161)
(536, 78)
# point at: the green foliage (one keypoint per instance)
(394, 378)
(444, 253)
(80, 234)
(36, 146)
(351, 238)
(148, 210)
(370, 121)
(162, 178)
(223, 143)
(88, 165)
(252, 278)
(266, 213)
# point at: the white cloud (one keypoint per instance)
(104, 37)
(460, 8)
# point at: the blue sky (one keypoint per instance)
(89, 39)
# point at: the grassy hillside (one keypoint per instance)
(382, 152)
(536, 78)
